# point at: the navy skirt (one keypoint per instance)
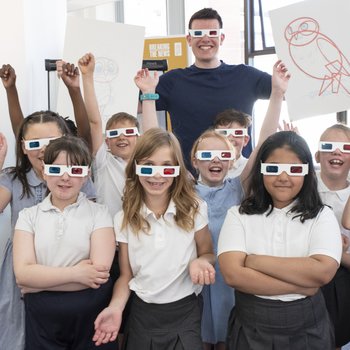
(263, 324)
(171, 326)
(65, 320)
(337, 296)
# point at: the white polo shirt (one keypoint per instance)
(160, 259)
(279, 235)
(109, 179)
(336, 200)
(63, 238)
(237, 167)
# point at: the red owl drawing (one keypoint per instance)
(317, 56)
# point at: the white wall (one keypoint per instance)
(30, 31)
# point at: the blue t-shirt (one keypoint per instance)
(194, 96)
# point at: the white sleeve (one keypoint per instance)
(232, 234)
(121, 236)
(325, 237)
(25, 220)
(102, 216)
(201, 219)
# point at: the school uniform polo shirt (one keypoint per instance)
(62, 238)
(237, 167)
(160, 259)
(278, 234)
(109, 178)
(335, 199)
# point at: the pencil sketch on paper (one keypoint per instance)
(317, 56)
(106, 70)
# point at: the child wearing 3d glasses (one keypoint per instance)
(63, 248)
(334, 157)
(286, 245)
(165, 251)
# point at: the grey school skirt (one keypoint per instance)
(262, 324)
(171, 326)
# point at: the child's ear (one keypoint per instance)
(23, 148)
(317, 156)
(246, 140)
(42, 171)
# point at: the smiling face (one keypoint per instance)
(283, 188)
(213, 171)
(206, 49)
(39, 131)
(64, 189)
(335, 165)
(157, 187)
(122, 146)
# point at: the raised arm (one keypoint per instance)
(87, 67)
(280, 79)
(70, 76)
(8, 77)
(147, 83)
(3, 149)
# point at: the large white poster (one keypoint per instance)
(118, 50)
(312, 38)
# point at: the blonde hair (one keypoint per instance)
(182, 191)
(206, 135)
(340, 127)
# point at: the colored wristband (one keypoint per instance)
(144, 97)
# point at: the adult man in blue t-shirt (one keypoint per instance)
(194, 95)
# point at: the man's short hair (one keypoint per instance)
(206, 13)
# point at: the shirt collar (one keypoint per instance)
(46, 204)
(322, 188)
(171, 210)
(33, 179)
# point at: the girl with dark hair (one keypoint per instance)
(277, 249)
(63, 248)
(23, 186)
(165, 251)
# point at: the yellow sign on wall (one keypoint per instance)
(174, 49)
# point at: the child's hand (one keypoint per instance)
(288, 127)
(87, 64)
(8, 76)
(90, 275)
(69, 74)
(145, 81)
(202, 272)
(280, 77)
(107, 325)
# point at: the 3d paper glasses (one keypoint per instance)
(290, 169)
(233, 132)
(152, 170)
(199, 33)
(59, 170)
(31, 145)
(210, 155)
(326, 146)
(125, 131)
